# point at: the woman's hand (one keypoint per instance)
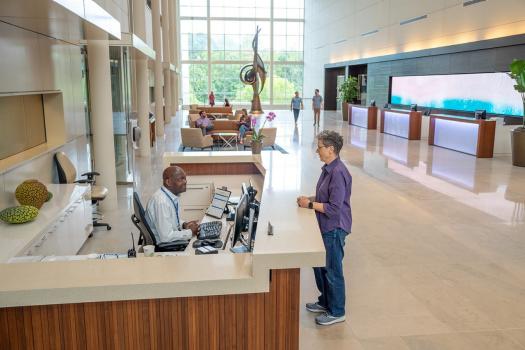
(303, 201)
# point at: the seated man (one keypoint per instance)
(204, 123)
(162, 211)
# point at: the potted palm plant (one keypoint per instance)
(348, 92)
(517, 72)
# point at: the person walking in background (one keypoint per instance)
(227, 103)
(296, 105)
(211, 99)
(317, 105)
(334, 216)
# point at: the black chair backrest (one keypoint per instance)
(60, 171)
(140, 221)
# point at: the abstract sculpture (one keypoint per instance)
(255, 75)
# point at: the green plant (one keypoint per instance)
(348, 90)
(517, 72)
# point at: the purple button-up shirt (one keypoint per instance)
(333, 190)
(202, 122)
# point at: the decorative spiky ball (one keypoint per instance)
(31, 192)
(19, 214)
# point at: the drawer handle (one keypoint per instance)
(193, 209)
(196, 188)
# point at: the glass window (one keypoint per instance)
(195, 83)
(193, 8)
(194, 39)
(232, 26)
(287, 79)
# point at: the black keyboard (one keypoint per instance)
(210, 230)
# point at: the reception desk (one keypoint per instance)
(220, 301)
(365, 117)
(401, 123)
(463, 134)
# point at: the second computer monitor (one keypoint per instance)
(240, 222)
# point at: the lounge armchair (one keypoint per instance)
(192, 137)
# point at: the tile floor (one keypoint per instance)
(436, 259)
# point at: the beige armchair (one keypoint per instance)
(268, 140)
(192, 137)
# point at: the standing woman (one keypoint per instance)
(211, 99)
(334, 216)
(296, 105)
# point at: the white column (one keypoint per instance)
(166, 58)
(141, 76)
(101, 112)
(174, 34)
(159, 114)
(141, 65)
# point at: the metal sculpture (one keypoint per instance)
(255, 75)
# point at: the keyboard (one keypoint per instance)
(210, 230)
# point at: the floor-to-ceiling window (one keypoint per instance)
(216, 42)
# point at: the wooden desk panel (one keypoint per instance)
(485, 138)
(414, 123)
(372, 116)
(243, 321)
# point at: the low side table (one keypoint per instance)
(228, 139)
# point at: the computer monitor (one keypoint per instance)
(244, 188)
(241, 212)
(480, 114)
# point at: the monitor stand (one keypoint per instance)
(241, 248)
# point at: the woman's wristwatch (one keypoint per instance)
(310, 205)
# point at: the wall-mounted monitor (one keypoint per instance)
(493, 92)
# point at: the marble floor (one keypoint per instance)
(436, 259)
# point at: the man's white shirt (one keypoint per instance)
(163, 215)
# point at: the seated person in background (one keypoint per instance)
(204, 123)
(244, 126)
(227, 103)
(163, 213)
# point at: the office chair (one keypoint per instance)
(146, 235)
(67, 174)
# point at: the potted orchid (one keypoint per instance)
(257, 135)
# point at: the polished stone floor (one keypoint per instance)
(436, 259)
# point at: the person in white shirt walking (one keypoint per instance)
(163, 213)
(317, 105)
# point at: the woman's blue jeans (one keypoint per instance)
(330, 279)
(242, 131)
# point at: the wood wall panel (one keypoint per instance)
(218, 168)
(268, 321)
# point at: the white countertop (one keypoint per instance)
(14, 238)
(296, 243)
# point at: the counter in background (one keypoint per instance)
(363, 116)
(467, 135)
(401, 123)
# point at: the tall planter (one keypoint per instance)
(517, 72)
(517, 138)
(344, 109)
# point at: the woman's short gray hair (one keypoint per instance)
(331, 138)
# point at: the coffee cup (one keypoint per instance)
(149, 250)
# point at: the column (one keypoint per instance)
(101, 112)
(166, 58)
(141, 76)
(157, 46)
(173, 55)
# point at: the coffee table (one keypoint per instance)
(228, 139)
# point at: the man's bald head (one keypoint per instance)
(174, 179)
